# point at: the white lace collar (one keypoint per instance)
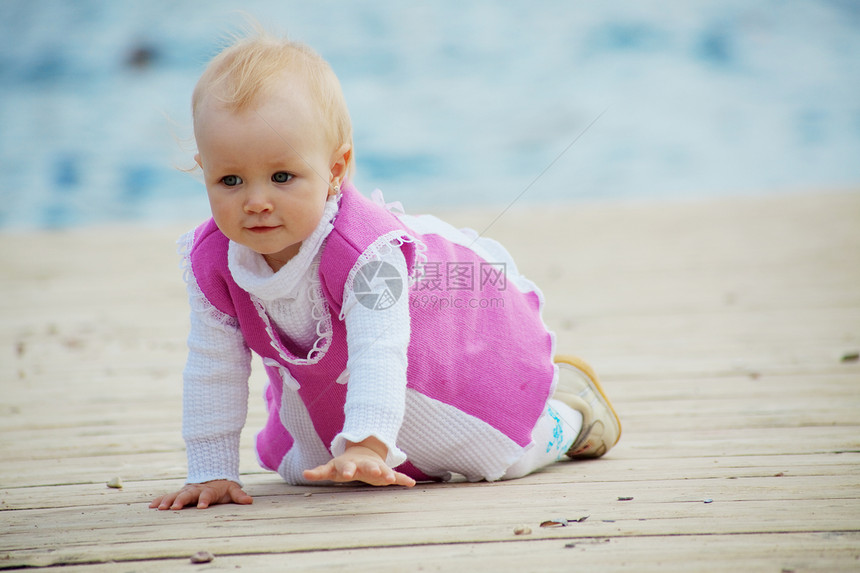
(253, 274)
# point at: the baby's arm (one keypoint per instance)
(378, 340)
(215, 403)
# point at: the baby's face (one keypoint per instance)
(267, 170)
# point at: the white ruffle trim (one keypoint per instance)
(395, 455)
(319, 312)
(200, 305)
(379, 249)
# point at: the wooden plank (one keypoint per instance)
(641, 448)
(555, 483)
(758, 391)
(796, 552)
(606, 471)
(309, 524)
(750, 387)
(670, 416)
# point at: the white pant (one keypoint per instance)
(554, 433)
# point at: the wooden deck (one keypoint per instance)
(723, 330)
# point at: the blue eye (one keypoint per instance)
(281, 177)
(231, 180)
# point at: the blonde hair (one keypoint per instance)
(247, 69)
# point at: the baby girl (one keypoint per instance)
(397, 347)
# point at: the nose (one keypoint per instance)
(257, 200)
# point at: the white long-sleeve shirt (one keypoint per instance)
(218, 365)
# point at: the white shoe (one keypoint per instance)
(579, 388)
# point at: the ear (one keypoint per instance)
(340, 164)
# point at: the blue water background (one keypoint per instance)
(453, 102)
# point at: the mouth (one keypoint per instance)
(261, 230)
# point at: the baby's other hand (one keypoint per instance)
(362, 463)
(204, 495)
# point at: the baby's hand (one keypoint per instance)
(362, 463)
(204, 495)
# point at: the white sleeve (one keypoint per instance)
(378, 340)
(215, 396)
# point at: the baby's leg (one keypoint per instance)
(554, 433)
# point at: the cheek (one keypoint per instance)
(218, 199)
(221, 207)
(215, 204)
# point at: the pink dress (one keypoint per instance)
(478, 345)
